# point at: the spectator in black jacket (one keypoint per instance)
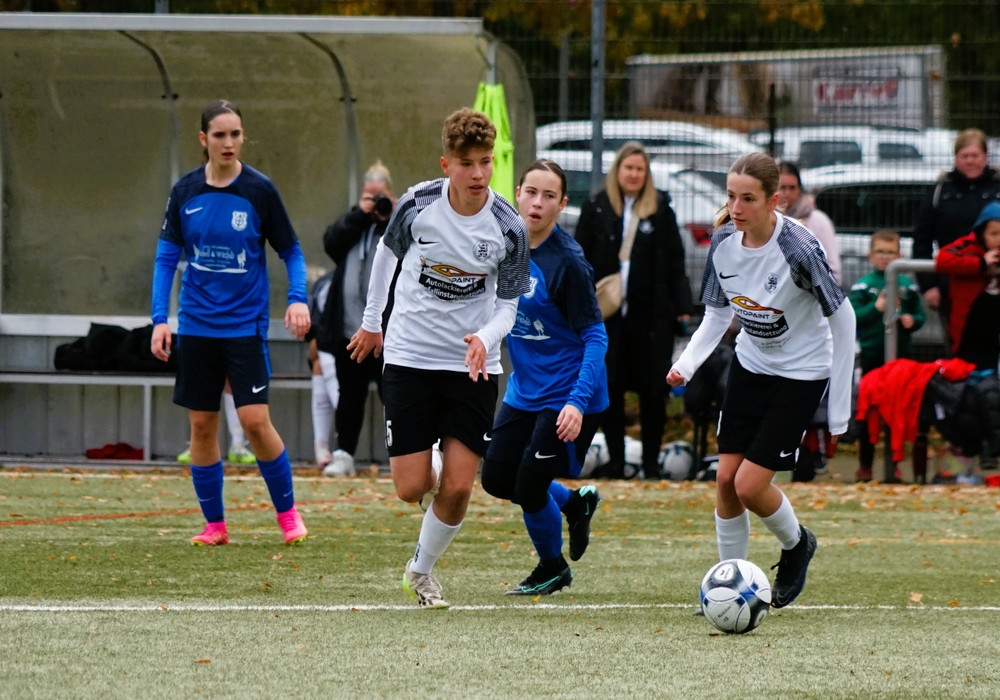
(950, 209)
(657, 294)
(350, 241)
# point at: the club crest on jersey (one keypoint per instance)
(239, 220)
(483, 250)
(771, 282)
(531, 290)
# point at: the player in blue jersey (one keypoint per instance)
(557, 392)
(221, 215)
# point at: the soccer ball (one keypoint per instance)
(735, 596)
(675, 460)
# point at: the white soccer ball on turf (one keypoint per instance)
(735, 596)
(675, 460)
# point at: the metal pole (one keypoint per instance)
(597, 95)
(564, 77)
(891, 292)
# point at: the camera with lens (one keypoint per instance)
(382, 205)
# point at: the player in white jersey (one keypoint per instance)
(462, 252)
(796, 342)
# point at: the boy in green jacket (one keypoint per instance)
(868, 298)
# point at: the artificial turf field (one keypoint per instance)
(101, 596)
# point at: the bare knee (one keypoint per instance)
(204, 426)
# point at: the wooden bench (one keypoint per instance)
(146, 381)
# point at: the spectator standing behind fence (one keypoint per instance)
(868, 298)
(464, 264)
(802, 206)
(948, 211)
(796, 341)
(972, 264)
(630, 228)
(350, 241)
(220, 215)
(557, 391)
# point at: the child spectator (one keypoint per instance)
(971, 265)
(868, 299)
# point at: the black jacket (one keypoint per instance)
(658, 288)
(948, 212)
(339, 239)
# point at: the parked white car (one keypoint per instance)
(694, 199)
(817, 146)
(678, 142)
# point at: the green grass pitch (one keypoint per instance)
(101, 596)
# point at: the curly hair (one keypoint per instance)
(467, 129)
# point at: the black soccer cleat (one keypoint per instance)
(548, 577)
(579, 511)
(791, 576)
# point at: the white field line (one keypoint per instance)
(208, 607)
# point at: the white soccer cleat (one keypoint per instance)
(424, 587)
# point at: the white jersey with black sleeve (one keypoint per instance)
(453, 270)
(773, 291)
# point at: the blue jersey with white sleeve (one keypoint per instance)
(558, 341)
(223, 231)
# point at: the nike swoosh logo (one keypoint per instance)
(193, 211)
(487, 438)
(784, 454)
(421, 241)
(258, 389)
(539, 455)
(725, 277)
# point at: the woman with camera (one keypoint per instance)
(350, 242)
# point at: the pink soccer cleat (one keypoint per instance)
(292, 526)
(214, 534)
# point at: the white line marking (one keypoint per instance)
(208, 607)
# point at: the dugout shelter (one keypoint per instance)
(99, 115)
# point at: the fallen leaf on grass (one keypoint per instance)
(916, 597)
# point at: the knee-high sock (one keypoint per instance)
(560, 493)
(783, 524)
(435, 536)
(733, 536)
(278, 476)
(237, 440)
(322, 412)
(545, 530)
(208, 489)
(328, 365)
